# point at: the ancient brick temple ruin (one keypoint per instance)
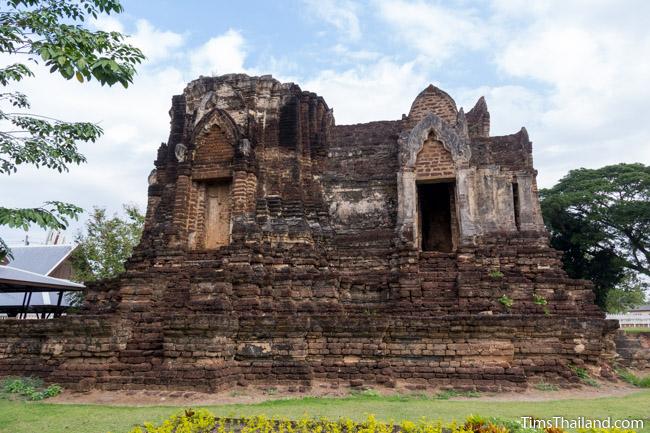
(281, 248)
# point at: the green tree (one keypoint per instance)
(106, 244)
(600, 219)
(629, 293)
(52, 32)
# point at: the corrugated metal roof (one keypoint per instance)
(38, 298)
(645, 307)
(11, 275)
(41, 259)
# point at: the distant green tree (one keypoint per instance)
(600, 219)
(105, 244)
(629, 293)
(52, 32)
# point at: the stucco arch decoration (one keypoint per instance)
(221, 119)
(454, 138)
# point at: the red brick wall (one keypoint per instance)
(213, 155)
(434, 161)
(433, 100)
(294, 298)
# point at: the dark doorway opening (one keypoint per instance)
(435, 216)
(515, 204)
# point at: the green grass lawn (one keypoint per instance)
(636, 330)
(32, 417)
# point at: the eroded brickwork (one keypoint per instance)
(323, 277)
(432, 100)
(633, 350)
(434, 162)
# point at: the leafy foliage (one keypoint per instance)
(545, 386)
(629, 293)
(54, 214)
(600, 219)
(106, 244)
(496, 274)
(506, 301)
(29, 388)
(584, 376)
(52, 32)
(539, 300)
(202, 421)
(633, 379)
(452, 393)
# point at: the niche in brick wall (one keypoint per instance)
(434, 161)
(211, 195)
(213, 156)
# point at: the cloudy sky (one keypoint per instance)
(575, 73)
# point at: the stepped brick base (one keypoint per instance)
(281, 248)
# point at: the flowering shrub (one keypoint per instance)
(604, 430)
(199, 421)
(202, 421)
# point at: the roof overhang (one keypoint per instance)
(18, 280)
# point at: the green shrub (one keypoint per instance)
(506, 301)
(29, 388)
(202, 421)
(604, 430)
(496, 274)
(539, 300)
(633, 379)
(19, 385)
(543, 386)
(583, 375)
(451, 393)
(369, 393)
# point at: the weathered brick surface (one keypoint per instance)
(633, 350)
(432, 100)
(318, 281)
(434, 162)
(478, 119)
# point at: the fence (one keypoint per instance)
(632, 320)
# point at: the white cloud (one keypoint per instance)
(342, 14)
(355, 55)
(135, 121)
(108, 23)
(511, 107)
(438, 32)
(155, 44)
(593, 56)
(220, 55)
(574, 73)
(381, 90)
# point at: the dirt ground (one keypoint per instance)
(260, 393)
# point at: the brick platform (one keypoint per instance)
(318, 271)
